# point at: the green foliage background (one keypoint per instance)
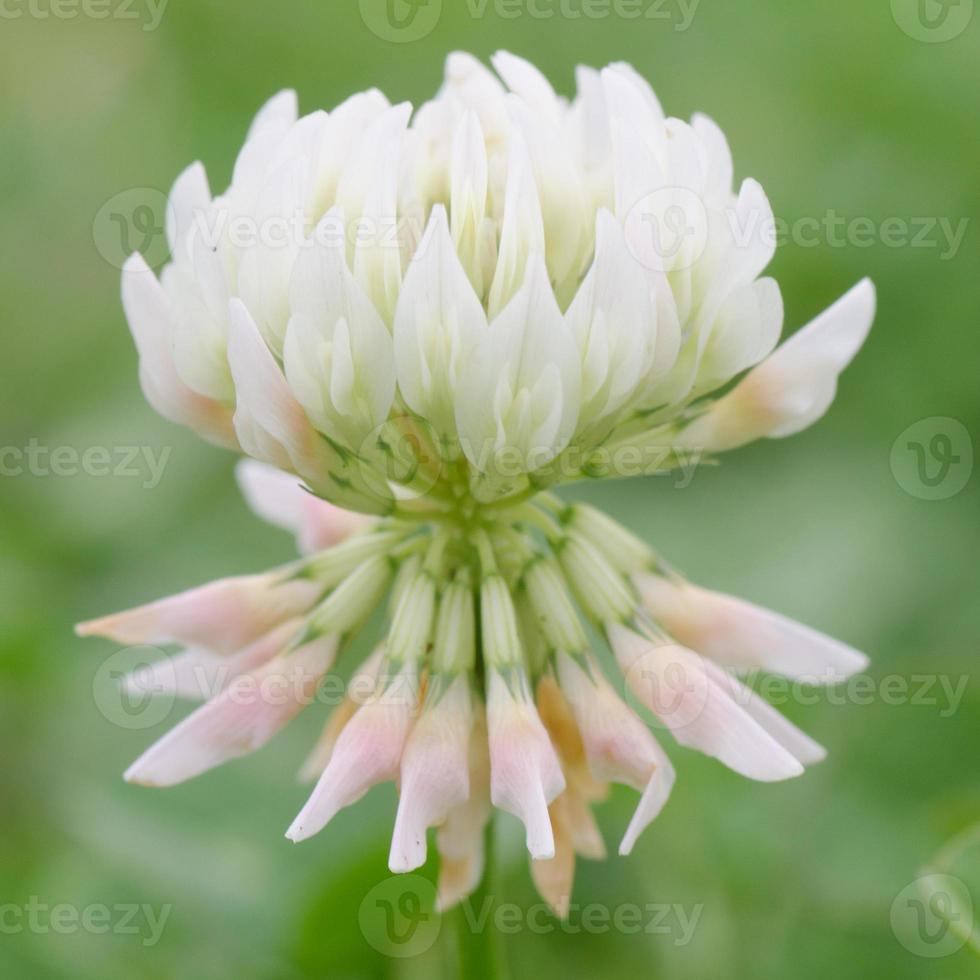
(830, 105)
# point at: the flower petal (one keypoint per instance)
(434, 770)
(738, 634)
(525, 775)
(280, 499)
(149, 315)
(680, 689)
(794, 386)
(222, 616)
(367, 752)
(239, 720)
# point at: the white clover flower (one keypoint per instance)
(416, 324)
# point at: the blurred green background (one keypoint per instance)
(832, 106)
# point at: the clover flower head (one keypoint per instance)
(417, 325)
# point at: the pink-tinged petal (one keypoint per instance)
(738, 634)
(618, 745)
(794, 386)
(367, 752)
(268, 418)
(222, 616)
(525, 775)
(434, 770)
(362, 681)
(679, 688)
(198, 674)
(791, 738)
(238, 721)
(279, 498)
(148, 313)
(460, 840)
(652, 801)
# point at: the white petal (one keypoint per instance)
(520, 391)
(522, 230)
(149, 316)
(265, 402)
(438, 321)
(794, 386)
(338, 355)
(188, 202)
(614, 323)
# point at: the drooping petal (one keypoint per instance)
(358, 690)
(199, 674)
(240, 720)
(280, 499)
(434, 770)
(617, 743)
(222, 616)
(367, 752)
(678, 687)
(460, 840)
(525, 775)
(738, 634)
